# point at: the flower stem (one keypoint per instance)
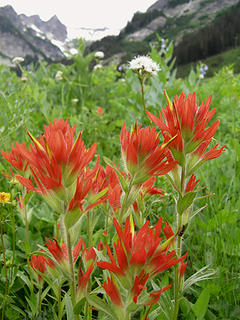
(89, 243)
(178, 252)
(5, 267)
(27, 246)
(39, 299)
(143, 96)
(89, 231)
(176, 273)
(70, 260)
(59, 302)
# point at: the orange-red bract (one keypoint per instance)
(142, 155)
(187, 120)
(15, 158)
(112, 291)
(38, 262)
(138, 256)
(56, 159)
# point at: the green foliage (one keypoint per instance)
(215, 63)
(212, 39)
(140, 20)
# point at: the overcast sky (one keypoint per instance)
(76, 14)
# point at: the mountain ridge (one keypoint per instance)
(28, 37)
(171, 19)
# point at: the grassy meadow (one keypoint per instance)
(98, 100)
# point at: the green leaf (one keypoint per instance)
(123, 183)
(69, 307)
(186, 307)
(203, 274)
(185, 201)
(79, 306)
(168, 100)
(44, 293)
(192, 78)
(201, 305)
(98, 196)
(17, 309)
(33, 303)
(24, 278)
(101, 305)
(72, 217)
(27, 197)
(132, 196)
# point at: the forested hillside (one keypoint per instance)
(222, 34)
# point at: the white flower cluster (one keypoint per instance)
(75, 100)
(97, 66)
(59, 75)
(144, 65)
(73, 51)
(17, 60)
(99, 55)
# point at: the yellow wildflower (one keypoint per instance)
(4, 197)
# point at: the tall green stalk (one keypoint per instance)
(27, 244)
(5, 269)
(176, 273)
(177, 288)
(142, 92)
(89, 230)
(70, 260)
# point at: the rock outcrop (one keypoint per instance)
(29, 37)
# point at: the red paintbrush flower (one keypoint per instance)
(83, 278)
(16, 160)
(142, 155)
(100, 111)
(148, 188)
(188, 121)
(39, 263)
(114, 197)
(57, 147)
(113, 292)
(154, 296)
(59, 253)
(139, 256)
(114, 188)
(92, 184)
(55, 160)
(139, 285)
(191, 184)
(57, 152)
(182, 268)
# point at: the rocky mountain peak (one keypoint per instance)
(159, 5)
(30, 37)
(53, 28)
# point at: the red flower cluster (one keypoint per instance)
(56, 159)
(57, 254)
(15, 158)
(187, 121)
(139, 256)
(89, 184)
(142, 155)
(39, 263)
